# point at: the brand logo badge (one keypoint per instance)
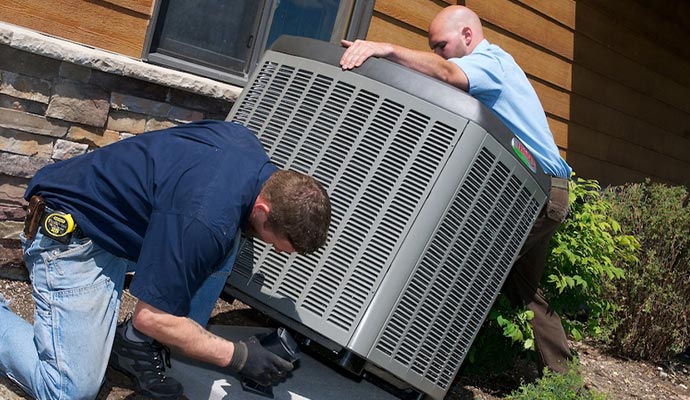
(524, 155)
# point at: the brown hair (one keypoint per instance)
(299, 208)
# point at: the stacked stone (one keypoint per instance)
(52, 109)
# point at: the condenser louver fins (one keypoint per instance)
(431, 204)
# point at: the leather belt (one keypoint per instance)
(558, 182)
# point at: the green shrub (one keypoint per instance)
(588, 253)
(579, 267)
(655, 298)
(569, 386)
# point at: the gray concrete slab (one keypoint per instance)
(312, 380)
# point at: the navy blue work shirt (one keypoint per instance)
(170, 200)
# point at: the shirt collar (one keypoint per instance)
(483, 45)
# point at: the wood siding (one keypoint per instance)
(614, 77)
(115, 25)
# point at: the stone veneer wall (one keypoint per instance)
(59, 99)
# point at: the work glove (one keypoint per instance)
(253, 361)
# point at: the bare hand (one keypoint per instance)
(359, 51)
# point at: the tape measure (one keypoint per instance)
(59, 226)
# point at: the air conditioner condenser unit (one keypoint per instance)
(432, 199)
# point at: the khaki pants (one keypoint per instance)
(522, 284)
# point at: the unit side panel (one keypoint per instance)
(443, 304)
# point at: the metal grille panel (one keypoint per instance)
(434, 322)
(341, 134)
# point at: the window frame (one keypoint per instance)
(352, 22)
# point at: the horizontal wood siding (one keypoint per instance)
(631, 91)
(614, 77)
(561, 11)
(531, 27)
(138, 6)
(387, 30)
(115, 25)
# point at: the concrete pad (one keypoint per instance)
(311, 380)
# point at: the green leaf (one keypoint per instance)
(528, 344)
(577, 335)
(570, 281)
(516, 335)
(529, 314)
(578, 279)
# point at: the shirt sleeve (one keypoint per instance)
(485, 75)
(178, 253)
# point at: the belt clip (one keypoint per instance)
(558, 182)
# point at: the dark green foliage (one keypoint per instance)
(505, 335)
(653, 317)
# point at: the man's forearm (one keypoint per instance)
(182, 334)
(428, 63)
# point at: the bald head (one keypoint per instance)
(455, 32)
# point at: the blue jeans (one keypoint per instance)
(77, 289)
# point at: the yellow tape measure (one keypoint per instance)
(59, 225)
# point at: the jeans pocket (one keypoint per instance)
(74, 266)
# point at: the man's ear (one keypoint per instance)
(260, 212)
(467, 35)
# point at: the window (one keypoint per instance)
(224, 39)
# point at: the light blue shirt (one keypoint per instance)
(498, 82)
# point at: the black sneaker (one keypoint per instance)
(145, 363)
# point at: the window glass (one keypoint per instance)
(213, 33)
(306, 18)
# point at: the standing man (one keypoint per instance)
(463, 58)
(167, 205)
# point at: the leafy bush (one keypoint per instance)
(556, 387)
(588, 253)
(579, 267)
(619, 270)
(655, 298)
